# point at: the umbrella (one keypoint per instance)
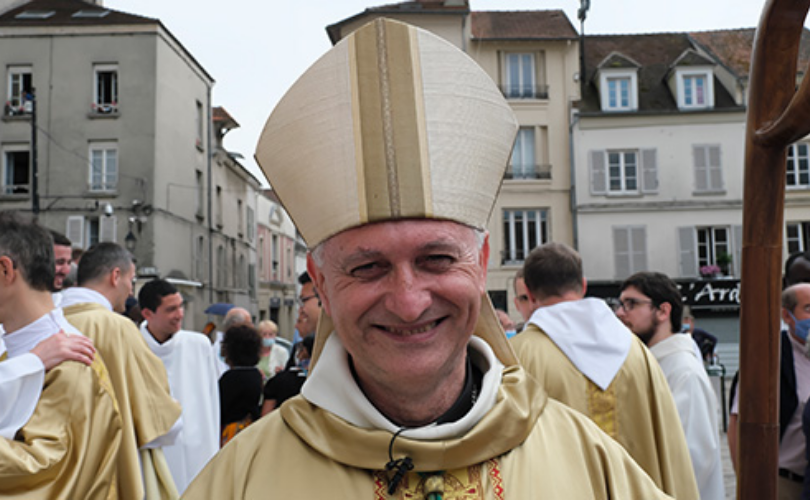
(218, 309)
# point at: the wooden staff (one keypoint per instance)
(778, 115)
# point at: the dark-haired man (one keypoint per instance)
(193, 378)
(650, 305)
(148, 411)
(62, 258)
(586, 358)
(70, 445)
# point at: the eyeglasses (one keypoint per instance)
(628, 304)
(303, 300)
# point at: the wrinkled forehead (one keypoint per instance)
(377, 234)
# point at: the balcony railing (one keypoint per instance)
(527, 172)
(10, 189)
(18, 109)
(525, 91)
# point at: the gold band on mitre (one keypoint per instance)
(392, 123)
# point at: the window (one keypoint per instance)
(694, 90)
(618, 88)
(274, 257)
(200, 199)
(627, 172)
(199, 261)
(629, 250)
(103, 166)
(240, 218)
(523, 230)
(200, 128)
(623, 172)
(250, 230)
(708, 170)
(520, 76)
(219, 207)
(221, 271)
(711, 242)
(84, 232)
(16, 170)
(522, 162)
(618, 92)
(703, 246)
(797, 235)
(105, 93)
(20, 84)
(798, 166)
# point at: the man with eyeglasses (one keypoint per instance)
(650, 305)
(309, 307)
(585, 357)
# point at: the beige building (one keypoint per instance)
(124, 150)
(278, 253)
(533, 57)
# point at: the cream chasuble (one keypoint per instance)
(521, 445)
(21, 381)
(636, 407)
(138, 376)
(69, 447)
(193, 381)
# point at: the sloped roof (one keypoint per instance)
(222, 117)
(692, 58)
(522, 25)
(655, 53)
(412, 7)
(733, 48)
(63, 15)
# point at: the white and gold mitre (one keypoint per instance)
(393, 122)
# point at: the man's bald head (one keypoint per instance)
(236, 316)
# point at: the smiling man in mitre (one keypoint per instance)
(388, 153)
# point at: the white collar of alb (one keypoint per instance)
(27, 337)
(332, 387)
(82, 295)
(589, 334)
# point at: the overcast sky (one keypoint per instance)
(256, 49)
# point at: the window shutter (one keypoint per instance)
(715, 168)
(621, 251)
(737, 236)
(649, 171)
(107, 228)
(687, 254)
(700, 160)
(638, 239)
(598, 173)
(75, 230)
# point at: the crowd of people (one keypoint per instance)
(405, 382)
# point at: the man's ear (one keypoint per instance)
(665, 309)
(786, 317)
(7, 271)
(318, 281)
(115, 276)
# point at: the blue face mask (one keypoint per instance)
(801, 328)
(304, 364)
(268, 342)
(510, 333)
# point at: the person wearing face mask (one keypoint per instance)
(273, 357)
(794, 381)
(288, 383)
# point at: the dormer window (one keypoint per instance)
(692, 81)
(695, 89)
(618, 90)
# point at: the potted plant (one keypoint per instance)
(724, 262)
(710, 271)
